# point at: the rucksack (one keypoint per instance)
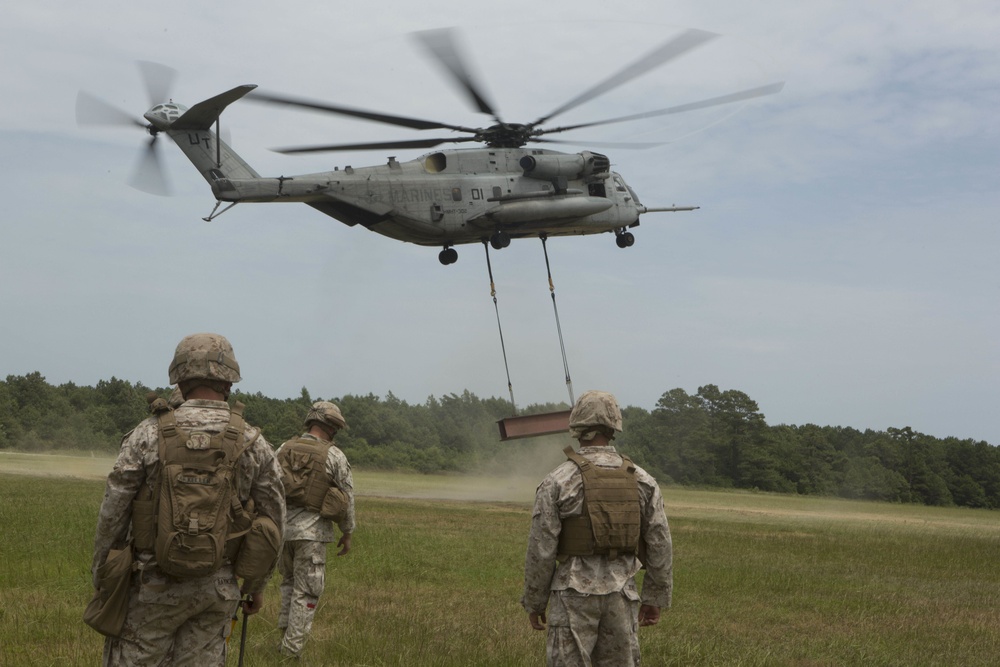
(195, 510)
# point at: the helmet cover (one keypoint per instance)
(204, 356)
(594, 409)
(327, 413)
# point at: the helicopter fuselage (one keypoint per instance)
(445, 198)
(458, 196)
(501, 191)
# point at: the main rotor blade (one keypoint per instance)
(416, 143)
(389, 119)
(441, 44)
(669, 50)
(148, 175)
(158, 79)
(748, 94)
(92, 110)
(602, 144)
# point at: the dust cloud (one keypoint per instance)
(511, 475)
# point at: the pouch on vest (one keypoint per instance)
(334, 505)
(260, 549)
(106, 610)
(196, 495)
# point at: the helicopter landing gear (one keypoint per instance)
(448, 256)
(624, 239)
(499, 239)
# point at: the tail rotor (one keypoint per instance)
(148, 174)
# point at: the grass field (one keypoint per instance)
(436, 573)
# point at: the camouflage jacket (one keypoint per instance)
(560, 495)
(305, 524)
(257, 477)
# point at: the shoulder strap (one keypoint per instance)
(233, 435)
(582, 463)
(169, 433)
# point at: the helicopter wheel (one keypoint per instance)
(448, 256)
(625, 240)
(499, 240)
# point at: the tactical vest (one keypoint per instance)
(303, 472)
(191, 517)
(612, 516)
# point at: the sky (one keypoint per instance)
(840, 271)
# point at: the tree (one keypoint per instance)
(817, 462)
(974, 478)
(736, 427)
(681, 439)
(920, 462)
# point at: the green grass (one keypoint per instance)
(759, 580)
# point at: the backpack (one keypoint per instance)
(195, 510)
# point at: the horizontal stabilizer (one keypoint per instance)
(204, 114)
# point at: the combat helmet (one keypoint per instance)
(204, 356)
(326, 413)
(595, 412)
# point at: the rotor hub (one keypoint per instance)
(506, 135)
(163, 115)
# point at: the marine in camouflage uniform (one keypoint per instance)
(594, 608)
(307, 533)
(171, 621)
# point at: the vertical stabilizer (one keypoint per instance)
(192, 132)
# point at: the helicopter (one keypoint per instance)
(506, 188)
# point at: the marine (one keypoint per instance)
(319, 492)
(177, 612)
(597, 519)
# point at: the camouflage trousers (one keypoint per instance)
(176, 623)
(303, 577)
(592, 630)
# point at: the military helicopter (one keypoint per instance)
(502, 190)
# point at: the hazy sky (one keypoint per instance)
(841, 271)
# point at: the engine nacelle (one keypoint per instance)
(562, 168)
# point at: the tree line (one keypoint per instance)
(713, 438)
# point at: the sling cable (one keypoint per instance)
(493, 293)
(555, 309)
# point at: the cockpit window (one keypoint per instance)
(619, 184)
(635, 197)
